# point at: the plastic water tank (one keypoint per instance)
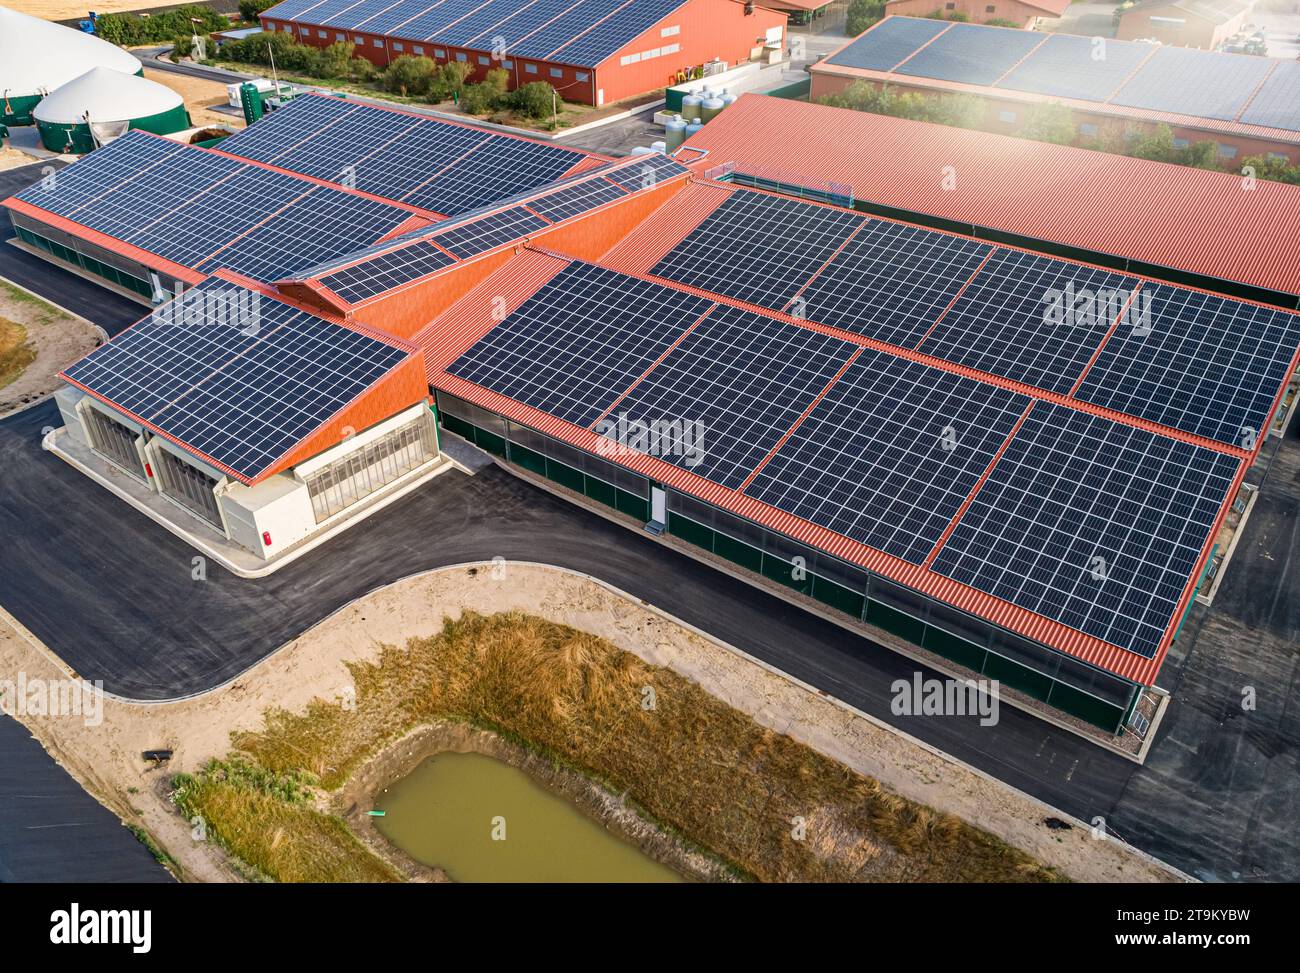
(659, 146)
(728, 99)
(711, 107)
(691, 129)
(674, 132)
(691, 107)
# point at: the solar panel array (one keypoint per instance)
(204, 211)
(1131, 74)
(890, 454)
(439, 166)
(235, 376)
(489, 231)
(1030, 319)
(573, 200)
(743, 248)
(572, 347)
(740, 379)
(1091, 522)
(1209, 366)
(578, 32)
(386, 271)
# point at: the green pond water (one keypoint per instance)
(453, 809)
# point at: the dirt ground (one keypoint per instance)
(13, 158)
(200, 95)
(68, 9)
(58, 337)
(106, 757)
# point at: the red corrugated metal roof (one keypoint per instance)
(465, 322)
(1169, 215)
(470, 318)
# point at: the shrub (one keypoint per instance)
(863, 14)
(262, 48)
(410, 76)
(128, 30)
(1049, 122)
(249, 9)
(488, 95)
(535, 100)
(451, 79)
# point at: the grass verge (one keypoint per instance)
(775, 809)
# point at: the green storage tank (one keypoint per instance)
(38, 57)
(103, 104)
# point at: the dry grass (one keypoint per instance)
(692, 763)
(16, 353)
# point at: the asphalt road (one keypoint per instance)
(53, 831)
(110, 311)
(112, 593)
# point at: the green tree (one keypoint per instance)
(863, 14)
(1049, 122)
(452, 78)
(335, 61)
(488, 95)
(535, 100)
(1266, 167)
(249, 9)
(411, 76)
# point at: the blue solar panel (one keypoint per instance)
(740, 381)
(567, 27)
(747, 249)
(396, 169)
(322, 224)
(500, 167)
(573, 347)
(519, 25)
(187, 241)
(615, 32)
(487, 15)
(323, 12)
(1086, 68)
(650, 170)
(386, 271)
(1093, 523)
(586, 195)
(390, 15)
(892, 40)
(1191, 82)
(275, 134)
(890, 454)
(78, 185)
(243, 381)
(425, 26)
(1031, 319)
(1277, 104)
(891, 282)
(290, 9)
(971, 54)
(1203, 364)
(490, 231)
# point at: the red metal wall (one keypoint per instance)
(709, 29)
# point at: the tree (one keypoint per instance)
(1049, 122)
(335, 61)
(486, 96)
(536, 99)
(249, 9)
(451, 79)
(410, 75)
(862, 14)
(1279, 170)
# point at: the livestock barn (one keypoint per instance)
(1245, 105)
(891, 425)
(594, 52)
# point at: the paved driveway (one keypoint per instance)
(112, 593)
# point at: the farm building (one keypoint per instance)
(1185, 23)
(36, 57)
(1025, 13)
(1103, 211)
(103, 104)
(869, 413)
(591, 51)
(1245, 105)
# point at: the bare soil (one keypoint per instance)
(57, 337)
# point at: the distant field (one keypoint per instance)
(62, 10)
